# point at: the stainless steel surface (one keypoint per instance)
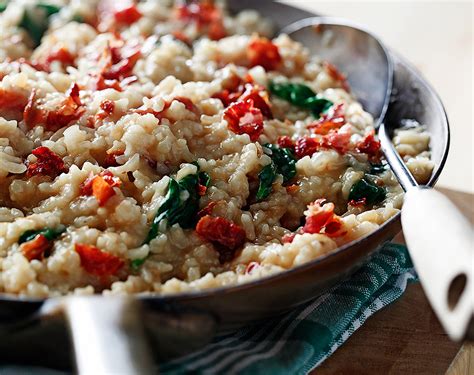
(404, 177)
(356, 52)
(108, 335)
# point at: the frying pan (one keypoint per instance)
(114, 334)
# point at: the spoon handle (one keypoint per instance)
(441, 240)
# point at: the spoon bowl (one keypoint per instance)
(356, 52)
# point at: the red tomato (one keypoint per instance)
(126, 12)
(330, 121)
(35, 248)
(261, 51)
(98, 262)
(47, 163)
(322, 219)
(306, 146)
(245, 118)
(369, 145)
(224, 234)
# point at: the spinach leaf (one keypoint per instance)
(49, 9)
(377, 168)
(135, 264)
(36, 25)
(181, 204)
(266, 176)
(364, 188)
(204, 179)
(283, 162)
(50, 234)
(300, 95)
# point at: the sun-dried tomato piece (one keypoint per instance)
(111, 158)
(11, 100)
(123, 67)
(32, 115)
(332, 120)
(101, 190)
(207, 210)
(101, 186)
(335, 74)
(286, 142)
(288, 238)
(358, 203)
(369, 145)
(97, 262)
(126, 12)
(226, 235)
(188, 103)
(262, 51)
(205, 14)
(60, 54)
(260, 99)
(339, 141)
(99, 83)
(36, 248)
(216, 30)
(245, 118)
(70, 110)
(306, 146)
(108, 106)
(179, 35)
(320, 218)
(47, 163)
(291, 189)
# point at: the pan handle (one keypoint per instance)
(108, 335)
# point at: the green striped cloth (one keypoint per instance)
(305, 337)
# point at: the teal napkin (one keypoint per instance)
(305, 337)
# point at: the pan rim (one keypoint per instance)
(220, 291)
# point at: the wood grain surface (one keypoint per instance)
(405, 337)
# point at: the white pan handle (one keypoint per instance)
(440, 241)
(108, 335)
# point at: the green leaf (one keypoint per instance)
(35, 24)
(364, 188)
(318, 105)
(301, 96)
(284, 160)
(377, 168)
(180, 206)
(266, 176)
(50, 9)
(204, 179)
(137, 263)
(50, 234)
(3, 6)
(78, 18)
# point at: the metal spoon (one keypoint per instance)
(432, 225)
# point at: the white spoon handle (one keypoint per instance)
(440, 240)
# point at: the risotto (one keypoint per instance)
(161, 147)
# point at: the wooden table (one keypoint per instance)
(406, 337)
